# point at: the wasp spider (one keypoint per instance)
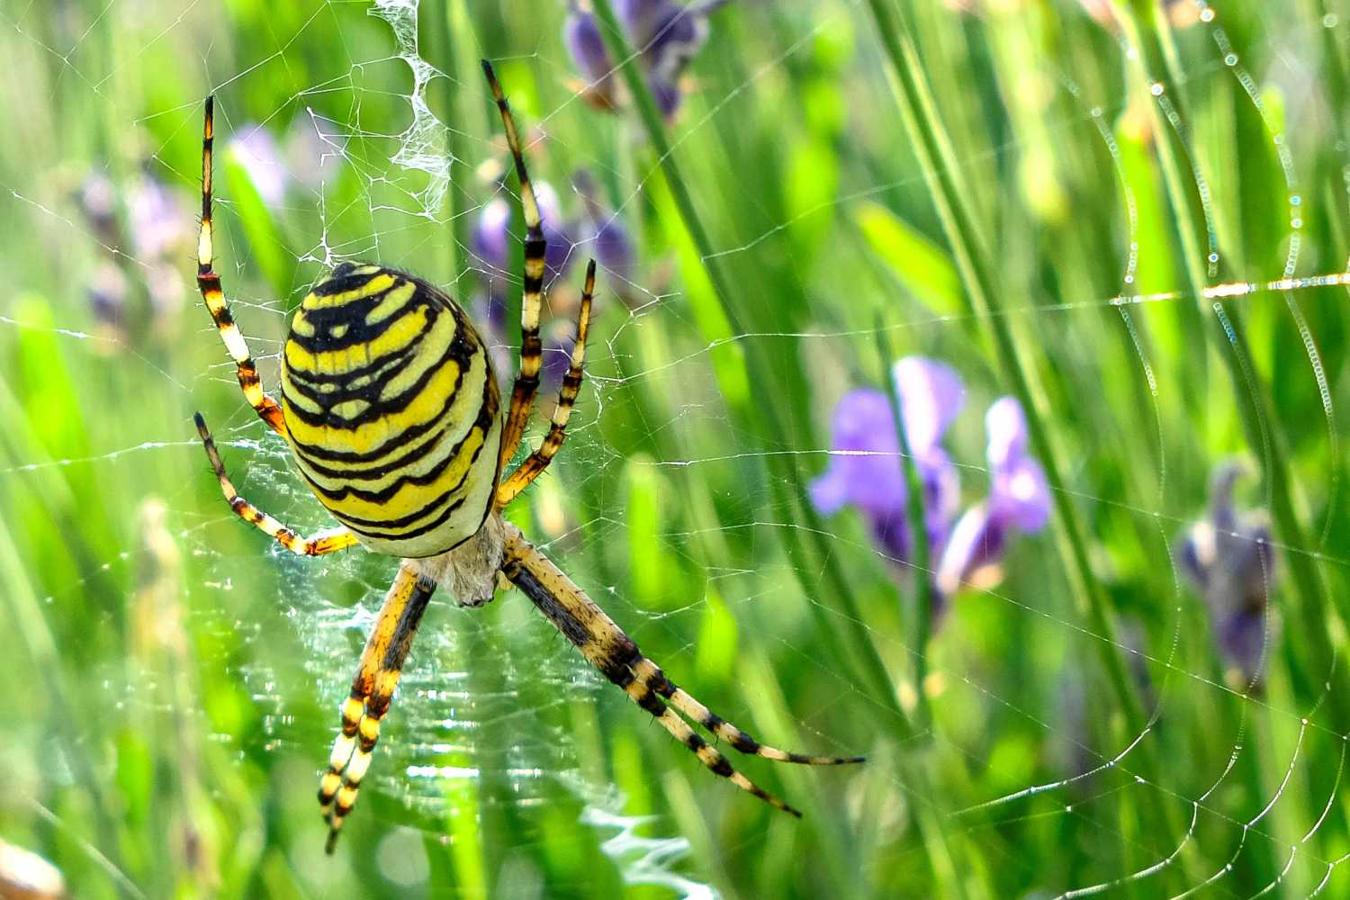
(391, 408)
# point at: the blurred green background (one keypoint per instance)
(982, 177)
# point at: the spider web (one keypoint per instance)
(493, 704)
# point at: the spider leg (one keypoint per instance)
(538, 461)
(208, 282)
(649, 673)
(531, 349)
(323, 543)
(371, 694)
(618, 658)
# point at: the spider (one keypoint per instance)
(392, 411)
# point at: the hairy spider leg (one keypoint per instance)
(372, 691)
(531, 301)
(618, 658)
(323, 543)
(208, 282)
(535, 464)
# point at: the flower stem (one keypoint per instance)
(920, 564)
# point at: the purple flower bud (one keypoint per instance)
(974, 548)
(1229, 558)
(613, 249)
(558, 354)
(260, 155)
(1006, 427)
(492, 234)
(1019, 495)
(315, 148)
(581, 34)
(890, 533)
(1019, 500)
(602, 234)
(492, 237)
(159, 221)
(666, 34)
(931, 397)
(864, 466)
(866, 470)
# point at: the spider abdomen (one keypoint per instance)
(391, 409)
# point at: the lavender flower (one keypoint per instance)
(492, 237)
(666, 34)
(98, 200)
(260, 155)
(315, 148)
(1019, 500)
(158, 231)
(867, 471)
(159, 222)
(557, 350)
(612, 246)
(1229, 559)
(581, 34)
(108, 298)
(599, 233)
(603, 234)
(311, 156)
(492, 234)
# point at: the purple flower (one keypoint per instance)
(315, 148)
(1019, 500)
(666, 35)
(98, 199)
(612, 246)
(866, 472)
(492, 237)
(158, 231)
(260, 155)
(599, 233)
(1229, 559)
(864, 466)
(604, 235)
(558, 344)
(931, 397)
(108, 296)
(159, 222)
(492, 243)
(1018, 495)
(581, 34)
(865, 469)
(492, 234)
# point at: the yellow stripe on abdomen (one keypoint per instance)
(386, 429)
(392, 410)
(410, 497)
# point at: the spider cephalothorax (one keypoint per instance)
(391, 409)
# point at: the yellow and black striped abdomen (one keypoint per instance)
(392, 409)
